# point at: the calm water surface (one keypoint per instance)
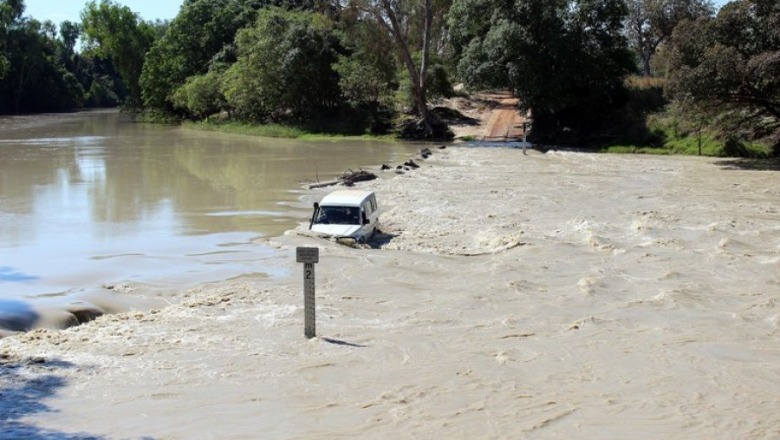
(88, 199)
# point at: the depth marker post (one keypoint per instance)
(308, 256)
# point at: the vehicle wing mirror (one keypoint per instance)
(314, 214)
(365, 219)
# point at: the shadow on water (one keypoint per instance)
(750, 164)
(380, 239)
(24, 385)
(345, 343)
(9, 274)
(16, 316)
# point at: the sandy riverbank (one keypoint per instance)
(548, 296)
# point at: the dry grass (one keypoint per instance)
(645, 82)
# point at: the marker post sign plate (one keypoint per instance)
(308, 256)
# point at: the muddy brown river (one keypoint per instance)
(534, 296)
(91, 199)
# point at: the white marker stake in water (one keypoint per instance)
(308, 256)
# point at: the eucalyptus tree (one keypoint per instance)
(565, 60)
(730, 67)
(650, 23)
(115, 31)
(400, 19)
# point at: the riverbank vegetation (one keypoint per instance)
(282, 131)
(669, 76)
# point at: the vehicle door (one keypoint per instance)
(368, 211)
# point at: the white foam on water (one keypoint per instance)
(558, 295)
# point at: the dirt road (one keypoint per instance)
(505, 123)
(491, 116)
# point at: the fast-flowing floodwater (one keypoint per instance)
(540, 296)
(91, 199)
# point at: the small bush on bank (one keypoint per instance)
(156, 117)
(632, 149)
(680, 138)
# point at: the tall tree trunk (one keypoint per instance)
(646, 71)
(423, 88)
(699, 134)
(25, 72)
(417, 78)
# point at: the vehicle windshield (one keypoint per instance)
(338, 215)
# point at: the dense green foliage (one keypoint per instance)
(10, 13)
(727, 70)
(284, 68)
(673, 135)
(117, 32)
(367, 66)
(565, 60)
(33, 75)
(650, 23)
(199, 39)
(41, 71)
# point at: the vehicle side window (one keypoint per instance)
(372, 199)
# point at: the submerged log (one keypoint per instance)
(351, 177)
(323, 184)
(357, 176)
(347, 178)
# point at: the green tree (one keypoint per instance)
(403, 20)
(10, 12)
(66, 53)
(34, 81)
(564, 60)
(199, 37)
(284, 67)
(43, 72)
(363, 82)
(102, 92)
(367, 70)
(650, 23)
(117, 32)
(69, 33)
(200, 96)
(730, 67)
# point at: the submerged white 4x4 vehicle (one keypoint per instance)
(346, 214)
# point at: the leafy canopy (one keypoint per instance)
(564, 60)
(284, 67)
(730, 67)
(197, 40)
(116, 32)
